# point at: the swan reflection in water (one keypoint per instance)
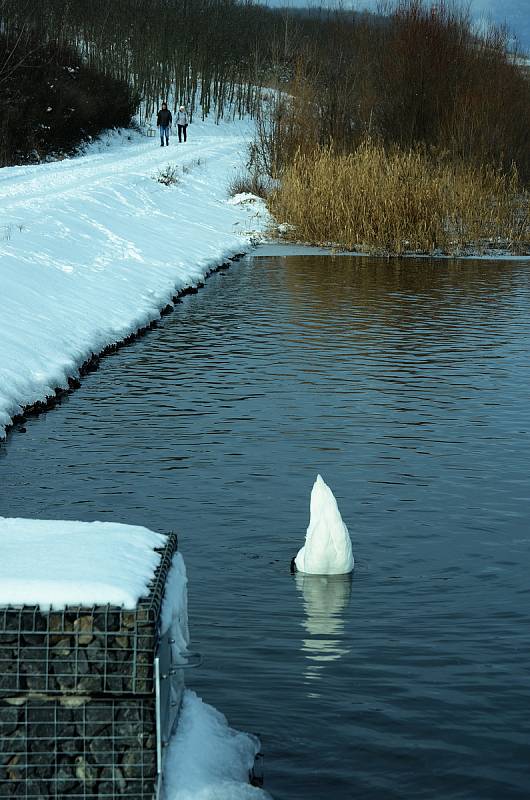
(326, 598)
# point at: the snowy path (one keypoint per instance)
(21, 187)
(91, 248)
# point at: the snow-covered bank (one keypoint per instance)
(208, 760)
(92, 248)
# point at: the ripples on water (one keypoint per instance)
(406, 384)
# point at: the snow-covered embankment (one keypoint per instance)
(93, 247)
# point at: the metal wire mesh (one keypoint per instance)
(98, 650)
(78, 748)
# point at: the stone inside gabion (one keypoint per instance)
(80, 652)
(78, 748)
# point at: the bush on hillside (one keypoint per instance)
(50, 102)
(169, 176)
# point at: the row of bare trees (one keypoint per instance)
(69, 68)
(209, 52)
(421, 75)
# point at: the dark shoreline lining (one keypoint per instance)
(92, 363)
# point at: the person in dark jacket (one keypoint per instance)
(163, 121)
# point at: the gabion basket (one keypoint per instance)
(78, 748)
(81, 650)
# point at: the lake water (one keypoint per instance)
(406, 384)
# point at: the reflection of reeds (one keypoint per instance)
(394, 200)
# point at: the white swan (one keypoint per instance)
(327, 549)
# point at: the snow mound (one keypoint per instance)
(327, 549)
(174, 613)
(244, 197)
(208, 760)
(54, 564)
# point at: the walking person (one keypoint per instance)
(163, 120)
(182, 123)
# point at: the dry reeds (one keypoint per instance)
(396, 201)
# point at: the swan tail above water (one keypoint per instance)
(327, 549)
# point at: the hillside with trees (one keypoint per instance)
(321, 83)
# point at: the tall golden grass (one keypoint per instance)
(377, 199)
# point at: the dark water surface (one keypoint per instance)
(406, 384)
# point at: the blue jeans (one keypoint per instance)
(164, 131)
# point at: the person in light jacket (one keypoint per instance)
(163, 120)
(182, 123)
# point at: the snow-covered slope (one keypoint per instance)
(91, 248)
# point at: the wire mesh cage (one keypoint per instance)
(78, 748)
(98, 650)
